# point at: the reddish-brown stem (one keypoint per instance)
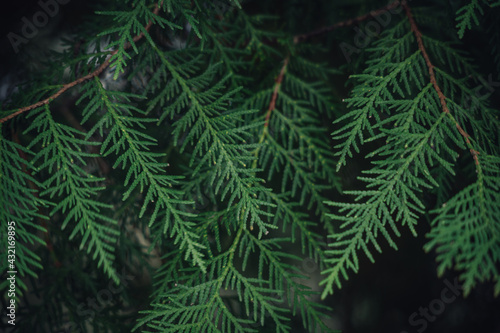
(430, 66)
(89, 76)
(303, 37)
(277, 85)
(346, 23)
(100, 69)
(272, 105)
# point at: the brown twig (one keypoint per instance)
(277, 85)
(303, 37)
(272, 105)
(346, 23)
(430, 66)
(89, 76)
(98, 71)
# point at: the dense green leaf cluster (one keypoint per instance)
(211, 134)
(393, 100)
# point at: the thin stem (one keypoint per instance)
(89, 76)
(98, 71)
(303, 37)
(272, 106)
(442, 97)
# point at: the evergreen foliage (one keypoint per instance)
(220, 136)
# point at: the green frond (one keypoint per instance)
(466, 230)
(468, 14)
(75, 190)
(211, 158)
(367, 99)
(198, 306)
(288, 214)
(293, 145)
(19, 213)
(220, 141)
(394, 101)
(128, 25)
(285, 276)
(144, 171)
